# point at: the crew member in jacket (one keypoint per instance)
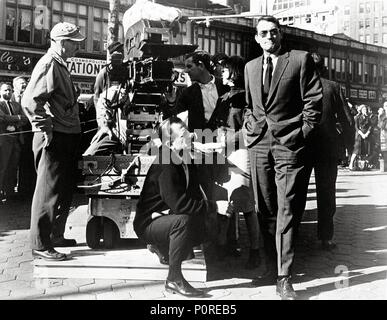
(284, 96)
(172, 210)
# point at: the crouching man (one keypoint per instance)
(172, 210)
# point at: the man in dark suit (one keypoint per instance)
(284, 96)
(171, 211)
(12, 119)
(336, 119)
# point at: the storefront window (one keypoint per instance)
(25, 2)
(97, 13)
(97, 33)
(24, 28)
(82, 10)
(10, 24)
(82, 26)
(57, 5)
(69, 7)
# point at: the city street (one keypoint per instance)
(356, 269)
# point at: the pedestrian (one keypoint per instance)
(27, 174)
(325, 152)
(50, 102)
(171, 211)
(362, 138)
(236, 178)
(382, 124)
(12, 120)
(217, 61)
(284, 96)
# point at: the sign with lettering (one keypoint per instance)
(84, 67)
(353, 93)
(363, 94)
(18, 61)
(372, 95)
(182, 78)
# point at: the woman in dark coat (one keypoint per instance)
(362, 138)
(235, 180)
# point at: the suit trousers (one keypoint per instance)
(176, 234)
(278, 176)
(9, 159)
(55, 183)
(325, 174)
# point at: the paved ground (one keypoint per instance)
(357, 269)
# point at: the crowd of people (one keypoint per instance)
(276, 119)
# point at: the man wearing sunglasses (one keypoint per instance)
(284, 97)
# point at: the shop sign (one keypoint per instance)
(372, 95)
(363, 94)
(353, 93)
(182, 78)
(84, 67)
(85, 87)
(18, 61)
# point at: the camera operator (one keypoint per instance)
(102, 81)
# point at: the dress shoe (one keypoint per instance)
(49, 255)
(62, 242)
(254, 260)
(182, 287)
(285, 289)
(328, 245)
(162, 258)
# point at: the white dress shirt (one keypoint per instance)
(274, 59)
(210, 97)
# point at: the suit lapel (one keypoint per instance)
(282, 62)
(256, 77)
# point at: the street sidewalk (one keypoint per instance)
(357, 269)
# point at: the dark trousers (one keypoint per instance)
(176, 234)
(27, 173)
(55, 183)
(9, 159)
(278, 176)
(325, 173)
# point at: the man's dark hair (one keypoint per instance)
(200, 56)
(236, 66)
(319, 62)
(269, 19)
(164, 130)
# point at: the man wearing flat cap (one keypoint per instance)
(50, 103)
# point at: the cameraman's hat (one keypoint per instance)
(66, 31)
(116, 46)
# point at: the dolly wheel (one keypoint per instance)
(93, 233)
(110, 234)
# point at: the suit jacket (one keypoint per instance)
(335, 115)
(294, 102)
(191, 100)
(165, 188)
(11, 120)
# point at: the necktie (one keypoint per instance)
(267, 80)
(9, 108)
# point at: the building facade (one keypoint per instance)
(362, 20)
(24, 35)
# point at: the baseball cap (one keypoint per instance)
(115, 46)
(66, 31)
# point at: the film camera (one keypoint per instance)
(144, 74)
